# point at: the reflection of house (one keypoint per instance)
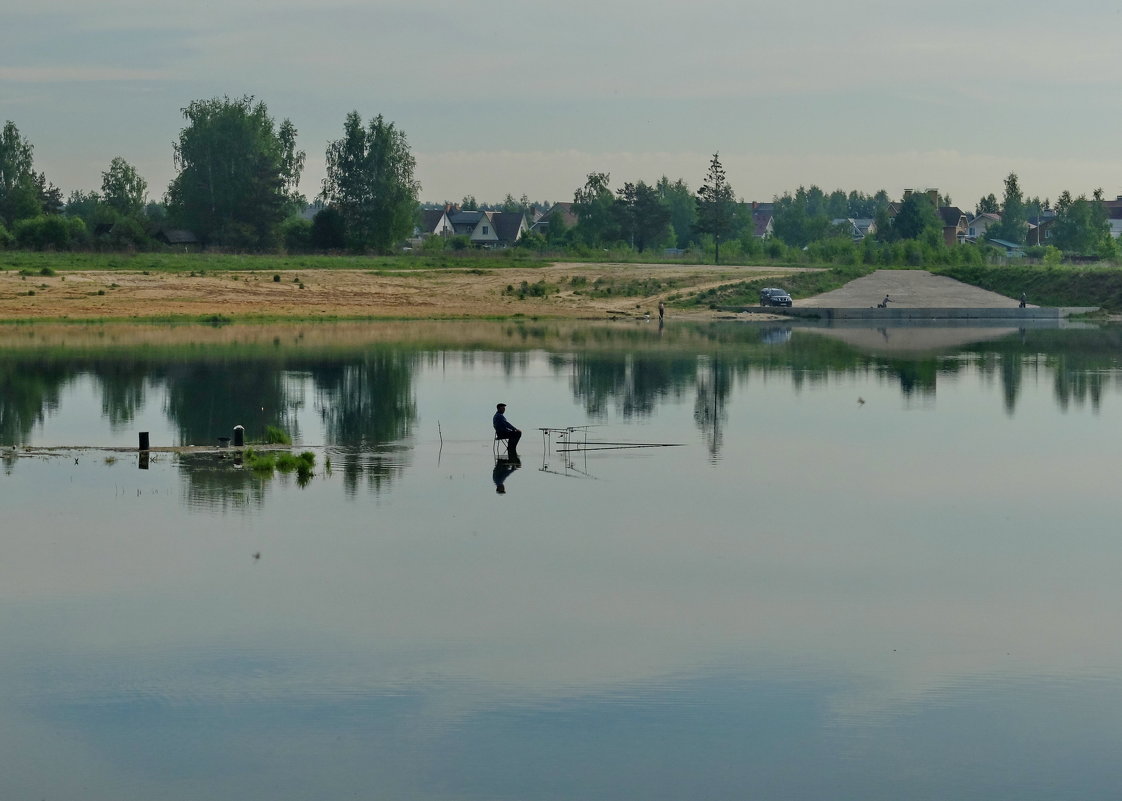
(955, 225)
(976, 228)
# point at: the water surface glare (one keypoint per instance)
(872, 565)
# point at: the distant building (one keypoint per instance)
(562, 212)
(857, 227)
(1114, 215)
(434, 222)
(955, 224)
(977, 227)
(489, 229)
(1009, 249)
(178, 237)
(763, 220)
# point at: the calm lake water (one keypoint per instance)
(856, 564)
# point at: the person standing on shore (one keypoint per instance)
(661, 311)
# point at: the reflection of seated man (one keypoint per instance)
(504, 430)
(503, 468)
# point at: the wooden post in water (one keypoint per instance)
(143, 441)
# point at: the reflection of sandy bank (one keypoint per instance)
(932, 336)
(905, 340)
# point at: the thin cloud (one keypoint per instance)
(78, 74)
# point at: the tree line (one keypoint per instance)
(238, 173)
(236, 186)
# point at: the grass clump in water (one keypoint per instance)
(266, 463)
(275, 435)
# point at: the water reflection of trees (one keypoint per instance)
(216, 483)
(28, 391)
(365, 396)
(633, 384)
(367, 407)
(714, 385)
(205, 400)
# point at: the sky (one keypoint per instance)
(528, 98)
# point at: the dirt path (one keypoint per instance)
(443, 293)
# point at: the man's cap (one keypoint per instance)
(499, 405)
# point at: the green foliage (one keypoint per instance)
(1046, 285)
(528, 241)
(128, 233)
(436, 244)
(683, 209)
(525, 289)
(803, 284)
(123, 190)
(296, 233)
(1082, 226)
(642, 216)
(86, 206)
(238, 173)
(18, 196)
(607, 287)
(265, 463)
(1014, 218)
(594, 204)
(50, 232)
(328, 230)
(6, 239)
(801, 218)
(918, 219)
(370, 181)
(275, 435)
(716, 205)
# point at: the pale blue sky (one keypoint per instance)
(529, 97)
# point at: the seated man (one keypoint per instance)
(504, 430)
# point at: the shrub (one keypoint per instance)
(329, 231)
(50, 232)
(296, 234)
(434, 244)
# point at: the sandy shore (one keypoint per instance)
(421, 294)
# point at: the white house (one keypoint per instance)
(977, 227)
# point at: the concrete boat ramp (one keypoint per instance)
(914, 295)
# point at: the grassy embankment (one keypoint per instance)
(801, 285)
(1058, 285)
(35, 263)
(1052, 285)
